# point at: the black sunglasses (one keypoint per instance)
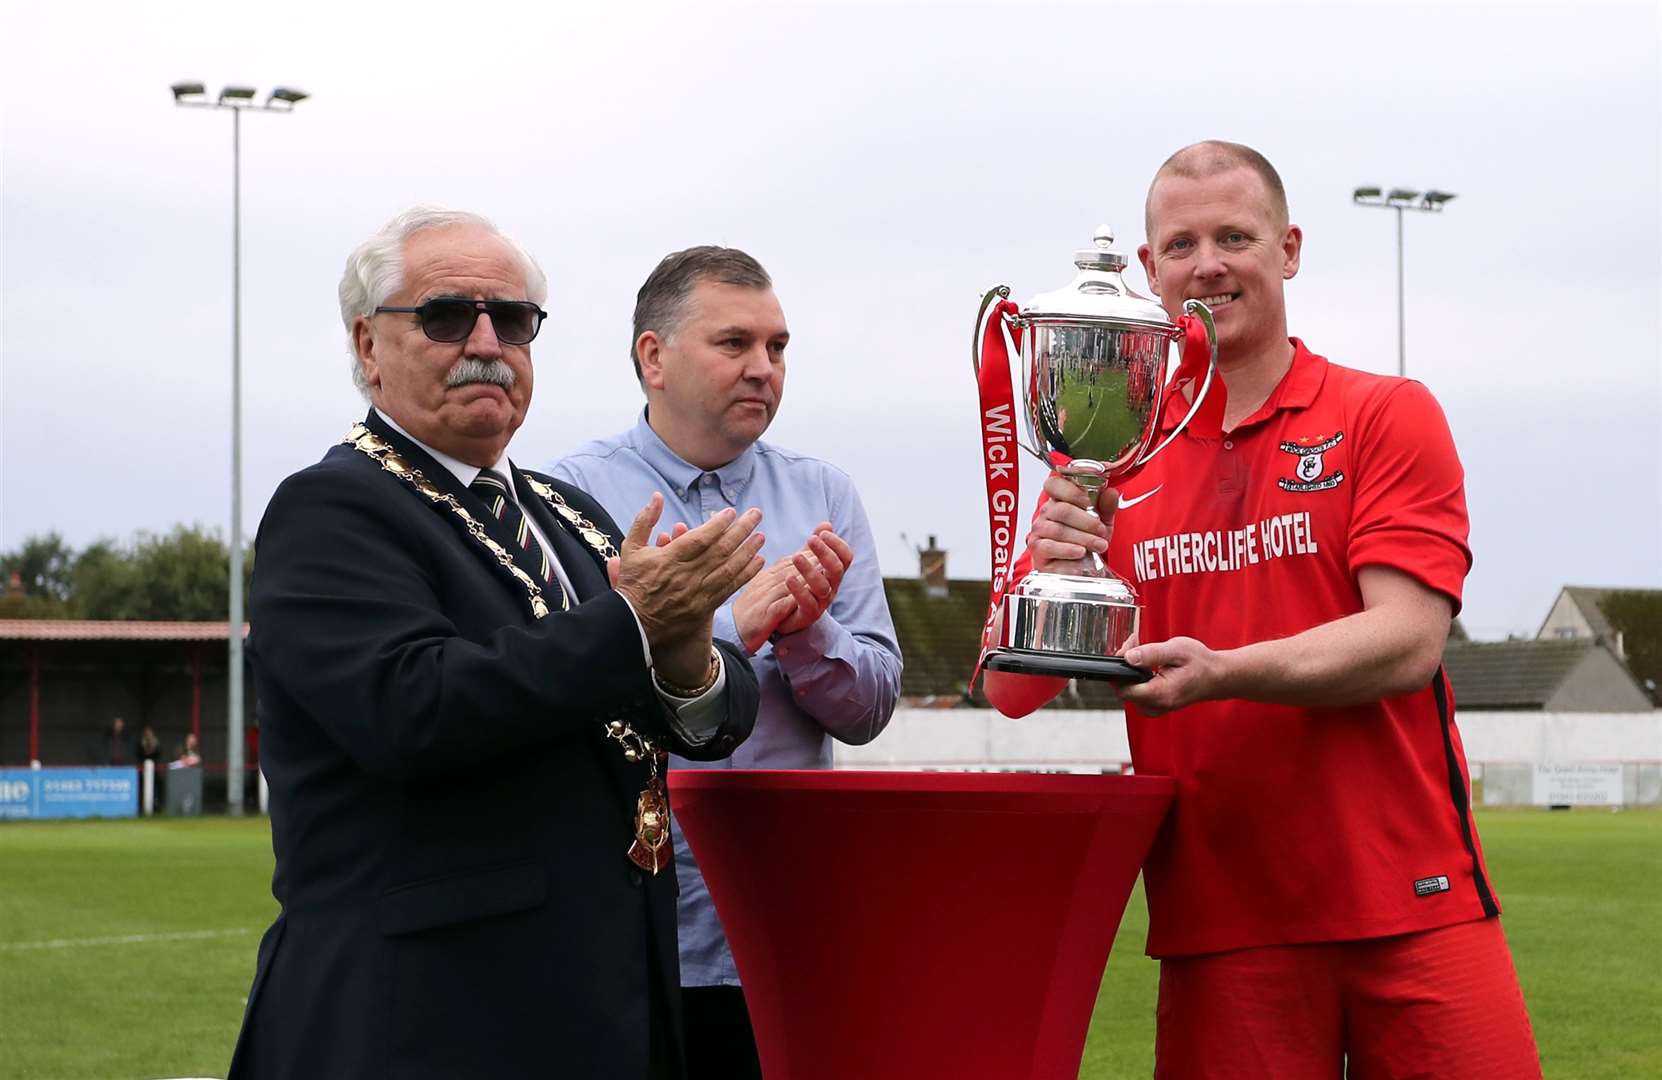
(451, 319)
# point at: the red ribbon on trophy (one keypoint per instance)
(1000, 456)
(1193, 369)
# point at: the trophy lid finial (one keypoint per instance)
(1100, 256)
(1098, 294)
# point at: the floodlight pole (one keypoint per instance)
(1402, 316)
(237, 100)
(1400, 199)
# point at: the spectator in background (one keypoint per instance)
(149, 746)
(114, 747)
(189, 755)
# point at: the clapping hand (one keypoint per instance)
(676, 584)
(795, 591)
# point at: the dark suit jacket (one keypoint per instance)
(449, 819)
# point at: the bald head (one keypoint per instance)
(1210, 158)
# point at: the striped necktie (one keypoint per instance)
(490, 487)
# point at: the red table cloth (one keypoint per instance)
(918, 925)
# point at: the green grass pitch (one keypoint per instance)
(126, 948)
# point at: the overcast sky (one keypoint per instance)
(887, 163)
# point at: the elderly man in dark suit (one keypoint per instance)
(468, 680)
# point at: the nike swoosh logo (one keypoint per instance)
(1126, 504)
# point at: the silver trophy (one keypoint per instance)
(1094, 378)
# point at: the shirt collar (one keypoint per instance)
(461, 470)
(1299, 386)
(1296, 390)
(682, 475)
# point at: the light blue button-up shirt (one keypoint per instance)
(838, 678)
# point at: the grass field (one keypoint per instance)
(126, 947)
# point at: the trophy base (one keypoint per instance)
(1112, 669)
(1074, 626)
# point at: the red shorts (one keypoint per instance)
(1440, 1003)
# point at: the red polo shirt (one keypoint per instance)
(1297, 824)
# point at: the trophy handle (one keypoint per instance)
(992, 307)
(1200, 311)
(988, 305)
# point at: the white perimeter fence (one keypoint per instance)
(1515, 757)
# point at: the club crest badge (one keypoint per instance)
(1308, 466)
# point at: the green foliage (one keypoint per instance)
(1636, 614)
(181, 574)
(43, 564)
(106, 585)
(23, 606)
(1582, 892)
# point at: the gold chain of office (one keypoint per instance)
(636, 747)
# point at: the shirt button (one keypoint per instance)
(1227, 445)
(781, 650)
(636, 880)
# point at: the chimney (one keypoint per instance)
(932, 569)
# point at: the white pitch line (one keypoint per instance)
(125, 939)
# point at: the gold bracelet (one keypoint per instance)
(710, 677)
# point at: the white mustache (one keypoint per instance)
(470, 370)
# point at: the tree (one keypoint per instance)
(183, 575)
(44, 563)
(177, 575)
(1636, 614)
(105, 584)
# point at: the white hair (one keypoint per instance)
(375, 270)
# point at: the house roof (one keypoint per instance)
(1588, 600)
(111, 630)
(1628, 619)
(940, 636)
(1511, 674)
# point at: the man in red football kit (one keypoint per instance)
(1318, 896)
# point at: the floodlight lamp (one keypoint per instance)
(288, 95)
(237, 93)
(1365, 193)
(1402, 195)
(1436, 199)
(182, 90)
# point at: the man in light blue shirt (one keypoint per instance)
(709, 350)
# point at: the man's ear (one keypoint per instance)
(649, 350)
(363, 344)
(1146, 257)
(1292, 245)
